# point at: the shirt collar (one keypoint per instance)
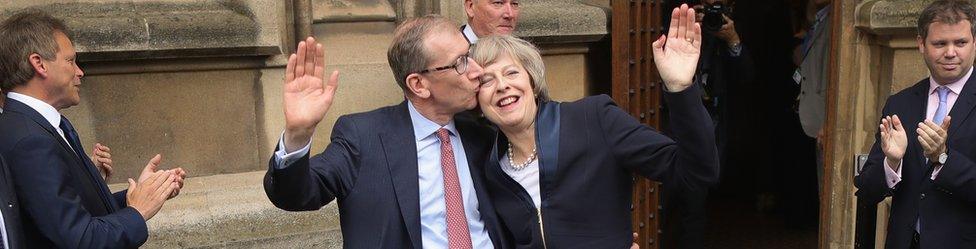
(955, 87)
(469, 34)
(46, 110)
(423, 127)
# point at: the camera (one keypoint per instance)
(713, 20)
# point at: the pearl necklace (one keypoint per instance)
(511, 159)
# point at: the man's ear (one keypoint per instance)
(921, 44)
(418, 85)
(38, 64)
(469, 8)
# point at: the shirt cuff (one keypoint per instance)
(736, 50)
(283, 158)
(935, 172)
(892, 177)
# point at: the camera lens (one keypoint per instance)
(713, 20)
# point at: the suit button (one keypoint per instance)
(923, 196)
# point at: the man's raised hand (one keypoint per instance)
(153, 167)
(307, 95)
(933, 138)
(894, 141)
(102, 158)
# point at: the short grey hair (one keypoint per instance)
(408, 53)
(27, 32)
(487, 51)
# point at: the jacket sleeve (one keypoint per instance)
(54, 206)
(870, 183)
(119, 198)
(745, 68)
(312, 182)
(958, 177)
(691, 159)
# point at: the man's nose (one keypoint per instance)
(507, 11)
(80, 73)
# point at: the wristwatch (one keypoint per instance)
(943, 158)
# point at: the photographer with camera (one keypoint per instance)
(724, 62)
(723, 67)
(714, 18)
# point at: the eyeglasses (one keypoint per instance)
(460, 66)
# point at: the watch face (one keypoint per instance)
(943, 158)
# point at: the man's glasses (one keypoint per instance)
(460, 66)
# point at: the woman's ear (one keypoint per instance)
(535, 90)
(38, 64)
(418, 85)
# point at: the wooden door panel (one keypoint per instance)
(635, 88)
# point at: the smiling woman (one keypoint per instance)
(514, 72)
(559, 174)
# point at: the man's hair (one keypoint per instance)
(948, 12)
(487, 51)
(408, 53)
(27, 32)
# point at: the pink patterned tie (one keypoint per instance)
(457, 224)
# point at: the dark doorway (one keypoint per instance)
(768, 194)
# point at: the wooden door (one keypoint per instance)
(636, 88)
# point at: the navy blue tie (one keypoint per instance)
(72, 136)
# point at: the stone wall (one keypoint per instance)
(180, 77)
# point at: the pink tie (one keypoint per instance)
(457, 225)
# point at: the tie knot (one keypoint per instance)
(65, 125)
(943, 92)
(443, 135)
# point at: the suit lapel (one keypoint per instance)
(918, 107)
(18, 107)
(104, 195)
(547, 137)
(400, 148)
(963, 106)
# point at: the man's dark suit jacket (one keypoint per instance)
(370, 168)
(946, 206)
(10, 208)
(588, 153)
(64, 201)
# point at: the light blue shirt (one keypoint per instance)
(433, 209)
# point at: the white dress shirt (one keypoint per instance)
(469, 34)
(894, 177)
(46, 110)
(433, 209)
